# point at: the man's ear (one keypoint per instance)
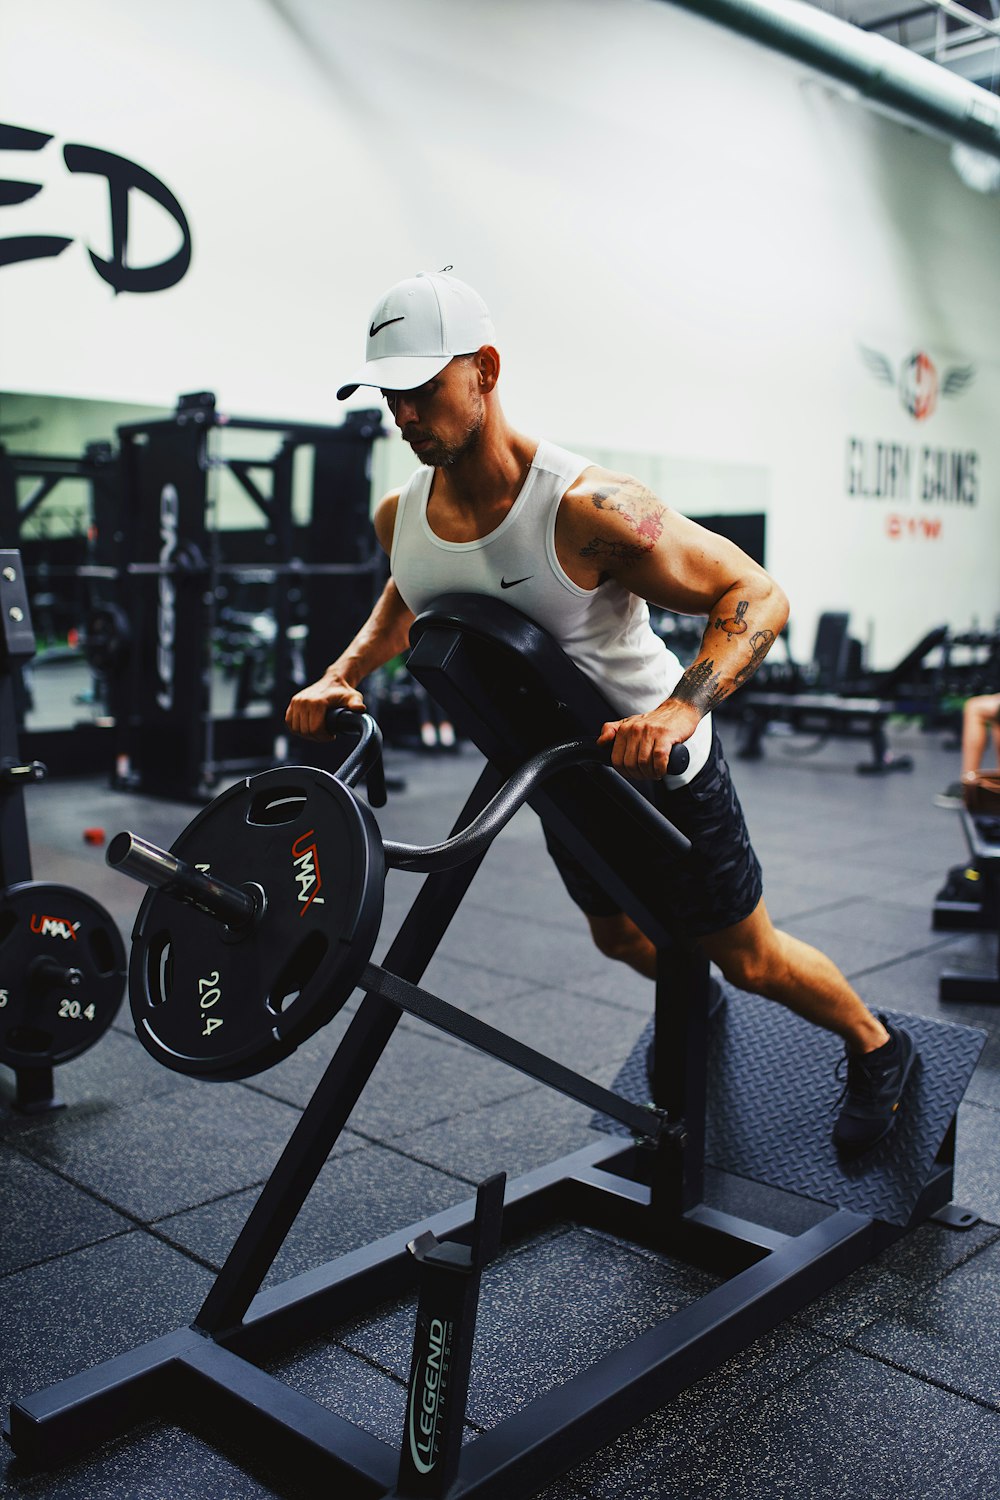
(488, 367)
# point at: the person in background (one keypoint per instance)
(980, 722)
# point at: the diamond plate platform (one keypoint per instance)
(772, 1100)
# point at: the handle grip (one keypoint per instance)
(365, 760)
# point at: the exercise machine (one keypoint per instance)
(234, 962)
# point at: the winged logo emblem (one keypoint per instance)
(918, 383)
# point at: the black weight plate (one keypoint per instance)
(219, 1004)
(45, 931)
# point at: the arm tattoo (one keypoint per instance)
(623, 552)
(700, 686)
(641, 512)
(760, 644)
(735, 624)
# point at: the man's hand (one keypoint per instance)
(306, 714)
(642, 743)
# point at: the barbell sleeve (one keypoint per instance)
(162, 870)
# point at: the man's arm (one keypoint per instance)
(384, 635)
(612, 526)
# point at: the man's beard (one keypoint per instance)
(444, 455)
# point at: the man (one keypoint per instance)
(980, 722)
(581, 551)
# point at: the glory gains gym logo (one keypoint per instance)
(918, 382)
(916, 474)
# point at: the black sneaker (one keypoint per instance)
(874, 1087)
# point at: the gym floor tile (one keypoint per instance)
(858, 938)
(185, 1467)
(61, 1218)
(512, 1136)
(342, 1211)
(335, 1378)
(932, 1250)
(947, 1332)
(845, 1428)
(866, 1296)
(641, 1462)
(565, 960)
(977, 1181)
(465, 983)
(172, 1152)
(90, 1305)
(588, 1035)
(547, 1311)
(116, 1072)
(420, 1079)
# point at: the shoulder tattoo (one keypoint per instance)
(642, 514)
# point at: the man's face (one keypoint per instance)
(441, 420)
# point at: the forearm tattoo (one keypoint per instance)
(760, 644)
(641, 512)
(702, 685)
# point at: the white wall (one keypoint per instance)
(684, 241)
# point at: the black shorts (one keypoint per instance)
(716, 886)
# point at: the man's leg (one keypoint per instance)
(618, 937)
(979, 716)
(755, 956)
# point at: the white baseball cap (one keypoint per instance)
(416, 327)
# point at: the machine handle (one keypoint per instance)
(365, 760)
(480, 833)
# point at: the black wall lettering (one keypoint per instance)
(123, 177)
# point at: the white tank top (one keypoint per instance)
(605, 630)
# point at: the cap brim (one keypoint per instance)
(403, 373)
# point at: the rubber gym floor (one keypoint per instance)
(118, 1210)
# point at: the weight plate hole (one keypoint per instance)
(102, 951)
(276, 805)
(159, 970)
(297, 972)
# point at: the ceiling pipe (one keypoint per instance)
(884, 74)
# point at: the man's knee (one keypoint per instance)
(752, 962)
(619, 938)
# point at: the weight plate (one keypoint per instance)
(222, 1004)
(106, 637)
(62, 973)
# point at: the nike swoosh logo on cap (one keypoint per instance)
(373, 330)
(509, 584)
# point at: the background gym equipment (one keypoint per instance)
(62, 960)
(515, 694)
(834, 697)
(982, 833)
(195, 629)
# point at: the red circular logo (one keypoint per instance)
(918, 385)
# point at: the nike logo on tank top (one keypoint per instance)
(606, 630)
